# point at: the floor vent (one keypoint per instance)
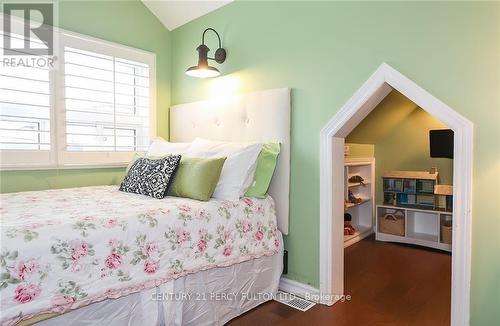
(294, 301)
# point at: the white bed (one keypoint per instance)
(261, 116)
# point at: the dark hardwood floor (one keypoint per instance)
(390, 284)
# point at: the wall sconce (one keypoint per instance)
(203, 70)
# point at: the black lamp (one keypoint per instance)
(203, 70)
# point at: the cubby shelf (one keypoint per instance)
(422, 226)
(362, 213)
(352, 184)
(417, 189)
(423, 236)
(361, 233)
(363, 200)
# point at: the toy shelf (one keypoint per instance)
(416, 189)
(353, 184)
(363, 200)
(422, 227)
(363, 216)
(361, 233)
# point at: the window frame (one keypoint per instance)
(58, 157)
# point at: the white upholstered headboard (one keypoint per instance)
(258, 116)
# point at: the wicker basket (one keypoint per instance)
(392, 224)
(446, 233)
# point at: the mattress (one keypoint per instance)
(64, 249)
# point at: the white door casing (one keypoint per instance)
(332, 136)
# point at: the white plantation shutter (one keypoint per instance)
(25, 111)
(24, 108)
(97, 107)
(106, 102)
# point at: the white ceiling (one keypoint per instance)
(178, 12)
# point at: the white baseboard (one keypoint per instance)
(299, 289)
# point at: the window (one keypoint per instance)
(106, 102)
(25, 108)
(96, 107)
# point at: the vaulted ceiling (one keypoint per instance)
(175, 13)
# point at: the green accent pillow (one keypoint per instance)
(196, 177)
(266, 163)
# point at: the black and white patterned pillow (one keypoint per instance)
(151, 177)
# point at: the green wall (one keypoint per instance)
(124, 22)
(399, 132)
(325, 51)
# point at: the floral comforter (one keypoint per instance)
(63, 249)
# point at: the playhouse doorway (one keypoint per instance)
(376, 88)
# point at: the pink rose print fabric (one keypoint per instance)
(26, 292)
(64, 249)
(113, 261)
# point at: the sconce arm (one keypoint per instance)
(220, 53)
(213, 30)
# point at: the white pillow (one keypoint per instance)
(238, 170)
(161, 147)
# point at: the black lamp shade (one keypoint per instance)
(202, 70)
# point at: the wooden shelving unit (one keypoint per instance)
(363, 213)
(422, 226)
(416, 189)
(364, 200)
(351, 184)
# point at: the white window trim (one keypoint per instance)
(57, 157)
